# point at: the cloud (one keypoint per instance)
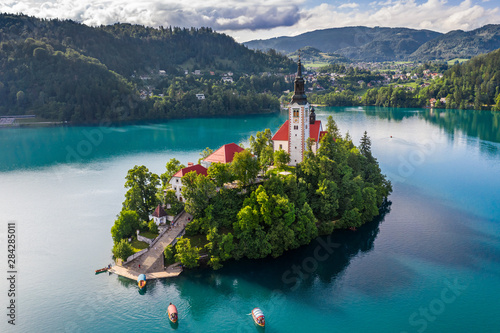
(349, 5)
(220, 15)
(247, 20)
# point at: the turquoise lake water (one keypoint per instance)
(429, 263)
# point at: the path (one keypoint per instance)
(151, 263)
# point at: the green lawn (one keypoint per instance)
(460, 60)
(138, 245)
(149, 234)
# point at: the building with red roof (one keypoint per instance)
(301, 125)
(176, 181)
(159, 215)
(224, 154)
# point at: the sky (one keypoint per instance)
(261, 19)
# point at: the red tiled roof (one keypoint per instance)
(322, 134)
(224, 154)
(314, 131)
(159, 212)
(282, 134)
(197, 168)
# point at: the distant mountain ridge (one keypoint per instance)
(389, 44)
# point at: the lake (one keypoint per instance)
(429, 263)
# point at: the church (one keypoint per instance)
(301, 124)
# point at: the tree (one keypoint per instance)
(205, 153)
(262, 140)
(245, 167)
(169, 253)
(331, 127)
(122, 249)
(175, 205)
(187, 254)
(220, 173)
(281, 158)
(197, 191)
(172, 167)
(125, 225)
(365, 147)
(141, 196)
(153, 227)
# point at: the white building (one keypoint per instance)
(176, 181)
(301, 124)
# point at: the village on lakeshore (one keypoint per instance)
(184, 226)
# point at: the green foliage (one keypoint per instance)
(122, 249)
(220, 173)
(172, 167)
(153, 227)
(186, 254)
(197, 191)
(169, 254)
(125, 226)
(245, 167)
(281, 158)
(175, 205)
(260, 142)
(141, 196)
(205, 153)
(70, 72)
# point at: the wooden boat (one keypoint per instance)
(172, 313)
(258, 317)
(105, 269)
(141, 281)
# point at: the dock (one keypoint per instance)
(170, 271)
(151, 262)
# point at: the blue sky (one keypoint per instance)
(261, 19)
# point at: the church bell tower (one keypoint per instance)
(299, 119)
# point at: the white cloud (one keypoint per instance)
(247, 20)
(349, 5)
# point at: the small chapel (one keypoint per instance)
(301, 124)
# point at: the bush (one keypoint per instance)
(122, 249)
(153, 227)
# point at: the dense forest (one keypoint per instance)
(66, 71)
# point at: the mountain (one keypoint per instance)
(460, 44)
(357, 43)
(67, 71)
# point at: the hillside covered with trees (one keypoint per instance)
(66, 71)
(473, 84)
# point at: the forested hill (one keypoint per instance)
(357, 43)
(390, 44)
(66, 71)
(460, 44)
(125, 48)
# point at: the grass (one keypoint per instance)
(198, 240)
(149, 234)
(138, 245)
(275, 171)
(460, 60)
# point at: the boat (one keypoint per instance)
(105, 269)
(141, 281)
(172, 313)
(258, 317)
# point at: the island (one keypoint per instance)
(276, 195)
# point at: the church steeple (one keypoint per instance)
(299, 86)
